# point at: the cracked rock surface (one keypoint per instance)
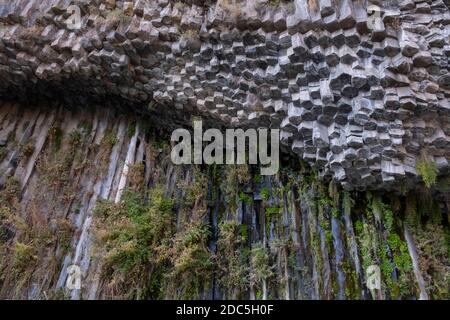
(360, 94)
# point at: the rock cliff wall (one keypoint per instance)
(86, 181)
(362, 99)
(94, 188)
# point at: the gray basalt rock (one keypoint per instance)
(361, 100)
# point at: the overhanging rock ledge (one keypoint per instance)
(362, 99)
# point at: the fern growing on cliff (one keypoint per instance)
(428, 171)
(131, 241)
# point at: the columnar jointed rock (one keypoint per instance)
(360, 98)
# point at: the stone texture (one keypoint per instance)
(342, 90)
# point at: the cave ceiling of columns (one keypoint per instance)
(359, 94)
